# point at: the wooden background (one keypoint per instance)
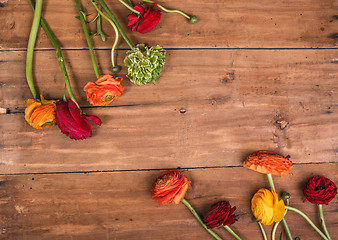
(250, 75)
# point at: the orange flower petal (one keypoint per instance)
(268, 163)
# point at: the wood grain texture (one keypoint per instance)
(297, 23)
(119, 205)
(195, 116)
(300, 79)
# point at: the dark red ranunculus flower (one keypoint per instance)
(220, 213)
(71, 123)
(147, 20)
(319, 190)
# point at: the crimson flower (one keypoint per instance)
(71, 123)
(319, 190)
(220, 213)
(148, 19)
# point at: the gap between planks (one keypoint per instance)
(180, 48)
(146, 170)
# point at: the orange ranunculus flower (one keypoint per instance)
(104, 90)
(170, 186)
(266, 208)
(268, 163)
(40, 114)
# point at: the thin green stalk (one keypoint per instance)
(167, 10)
(308, 220)
(321, 214)
(285, 225)
(112, 17)
(262, 230)
(273, 232)
(115, 29)
(129, 7)
(90, 46)
(192, 210)
(30, 47)
(232, 232)
(59, 54)
(269, 176)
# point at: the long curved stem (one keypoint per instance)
(167, 10)
(30, 47)
(112, 17)
(308, 220)
(90, 46)
(129, 7)
(115, 29)
(273, 232)
(285, 225)
(262, 230)
(192, 210)
(232, 232)
(59, 54)
(321, 214)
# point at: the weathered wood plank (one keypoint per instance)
(301, 79)
(210, 111)
(119, 205)
(305, 23)
(156, 137)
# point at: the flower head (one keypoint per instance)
(104, 90)
(144, 64)
(220, 213)
(148, 19)
(319, 190)
(268, 163)
(266, 208)
(40, 114)
(71, 123)
(170, 186)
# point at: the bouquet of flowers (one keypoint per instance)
(144, 66)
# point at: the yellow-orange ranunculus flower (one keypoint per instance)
(104, 90)
(268, 163)
(266, 208)
(170, 186)
(40, 114)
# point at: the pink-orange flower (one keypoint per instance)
(268, 163)
(170, 186)
(40, 114)
(104, 90)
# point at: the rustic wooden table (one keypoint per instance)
(250, 75)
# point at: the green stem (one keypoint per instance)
(262, 230)
(59, 54)
(30, 47)
(232, 232)
(308, 220)
(285, 225)
(90, 46)
(112, 17)
(273, 233)
(269, 176)
(129, 7)
(321, 214)
(192, 210)
(115, 29)
(167, 10)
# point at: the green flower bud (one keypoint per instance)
(193, 19)
(144, 64)
(286, 195)
(116, 69)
